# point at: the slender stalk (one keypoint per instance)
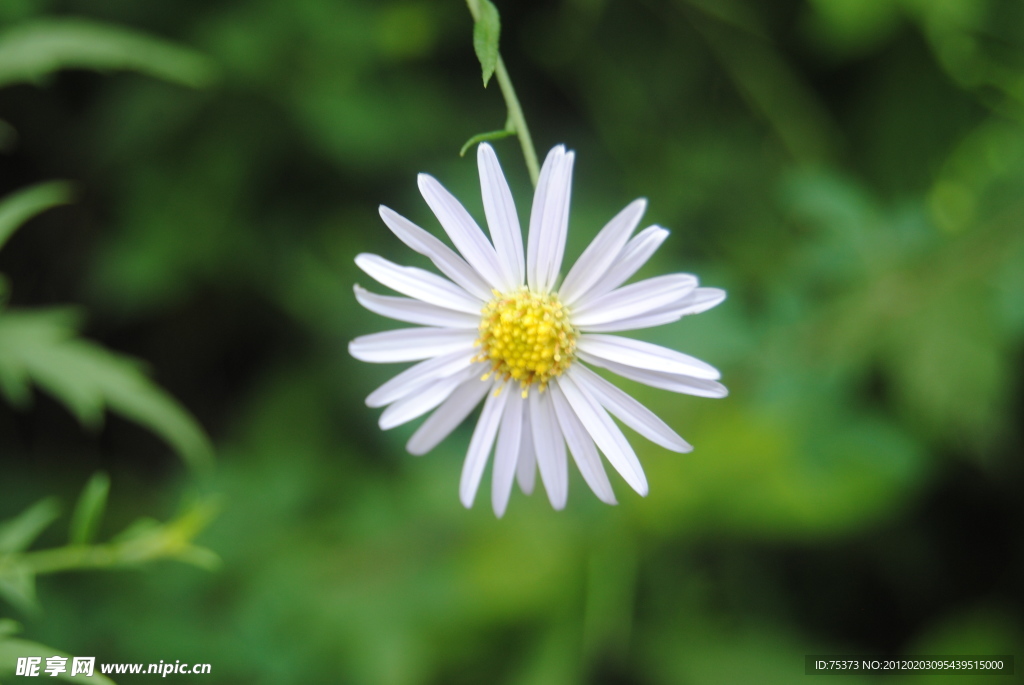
(172, 540)
(515, 112)
(518, 121)
(71, 558)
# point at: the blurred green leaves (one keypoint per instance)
(31, 51)
(17, 580)
(43, 347)
(916, 300)
(12, 649)
(19, 207)
(143, 541)
(85, 521)
(18, 533)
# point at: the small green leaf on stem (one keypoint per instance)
(85, 520)
(486, 32)
(482, 137)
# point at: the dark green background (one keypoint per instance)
(851, 171)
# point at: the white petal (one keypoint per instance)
(410, 344)
(415, 311)
(659, 317)
(549, 220)
(700, 300)
(507, 451)
(462, 229)
(628, 410)
(605, 433)
(634, 300)
(480, 446)
(602, 251)
(418, 283)
(634, 255)
(533, 238)
(581, 446)
(526, 465)
(549, 447)
(644, 355)
(426, 398)
(659, 379)
(419, 375)
(445, 418)
(444, 258)
(502, 219)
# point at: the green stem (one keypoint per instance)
(71, 557)
(518, 121)
(172, 540)
(515, 111)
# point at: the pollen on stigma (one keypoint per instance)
(526, 336)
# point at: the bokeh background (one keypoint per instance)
(851, 171)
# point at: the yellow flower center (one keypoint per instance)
(526, 336)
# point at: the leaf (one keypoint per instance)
(486, 31)
(20, 206)
(200, 557)
(18, 533)
(12, 649)
(140, 529)
(85, 520)
(482, 137)
(43, 347)
(146, 539)
(33, 50)
(18, 585)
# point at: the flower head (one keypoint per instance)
(498, 330)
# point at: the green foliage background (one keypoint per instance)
(851, 171)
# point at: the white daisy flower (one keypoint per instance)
(502, 330)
